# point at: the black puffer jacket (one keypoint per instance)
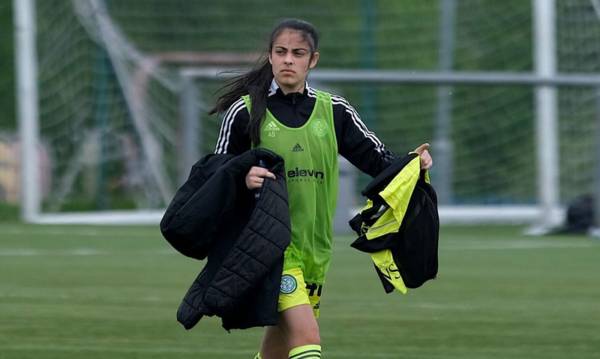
(214, 216)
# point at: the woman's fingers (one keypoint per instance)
(260, 172)
(257, 180)
(423, 152)
(421, 148)
(426, 160)
(253, 182)
(256, 177)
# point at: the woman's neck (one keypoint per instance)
(289, 90)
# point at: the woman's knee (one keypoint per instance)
(274, 345)
(300, 326)
(306, 335)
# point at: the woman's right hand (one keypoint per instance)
(256, 177)
(423, 152)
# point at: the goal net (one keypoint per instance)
(124, 88)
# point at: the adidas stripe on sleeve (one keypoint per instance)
(356, 142)
(233, 137)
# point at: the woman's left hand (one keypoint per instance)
(423, 152)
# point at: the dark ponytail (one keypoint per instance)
(257, 81)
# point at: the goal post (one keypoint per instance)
(115, 93)
(547, 213)
(27, 106)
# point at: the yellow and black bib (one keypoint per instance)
(399, 225)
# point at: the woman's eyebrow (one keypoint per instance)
(293, 49)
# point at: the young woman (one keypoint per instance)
(273, 107)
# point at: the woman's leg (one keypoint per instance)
(297, 328)
(300, 326)
(274, 344)
(302, 332)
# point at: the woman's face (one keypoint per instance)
(291, 60)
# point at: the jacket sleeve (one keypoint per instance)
(188, 222)
(356, 142)
(233, 136)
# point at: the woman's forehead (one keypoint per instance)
(290, 38)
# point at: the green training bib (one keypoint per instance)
(311, 162)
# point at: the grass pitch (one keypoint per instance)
(112, 292)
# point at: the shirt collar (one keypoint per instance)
(274, 87)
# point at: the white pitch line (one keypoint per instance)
(26, 252)
(512, 245)
(83, 232)
(76, 252)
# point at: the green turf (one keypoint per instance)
(112, 292)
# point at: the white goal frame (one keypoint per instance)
(547, 213)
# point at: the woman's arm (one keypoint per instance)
(233, 136)
(361, 146)
(356, 142)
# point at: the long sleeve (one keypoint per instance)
(233, 136)
(356, 142)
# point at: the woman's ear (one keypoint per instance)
(270, 61)
(314, 60)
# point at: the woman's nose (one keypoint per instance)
(289, 59)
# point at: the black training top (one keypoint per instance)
(355, 142)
